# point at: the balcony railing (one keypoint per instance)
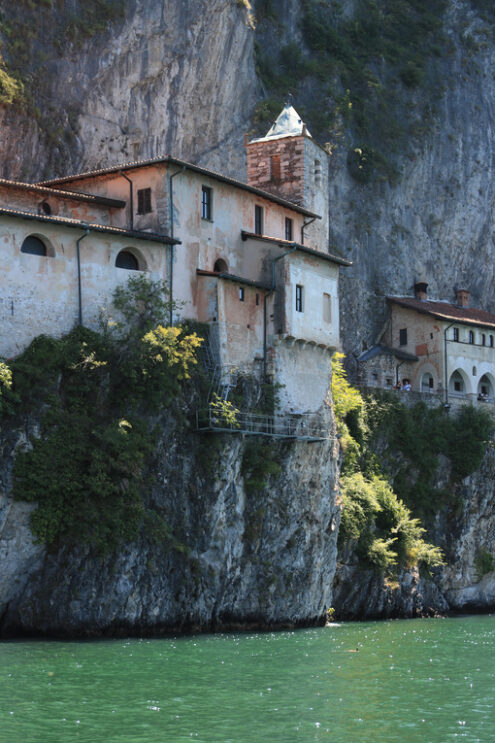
(305, 427)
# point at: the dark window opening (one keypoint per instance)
(220, 266)
(275, 168)
(127, 260)
(46, 208)
(34, 246)
(484, 390)
(299, 298)
(206, 210)
(144, 200)
(483, 339)
(288, 228)
(430, 383)
(403, 337)
(457, 386)
(456, 334)
(471, 337)
(241, 294)
(257, 299)
(491, 341)
(258, 220)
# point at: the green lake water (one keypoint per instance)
(413, 681)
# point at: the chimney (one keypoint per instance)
(462, 297)
(420, 289)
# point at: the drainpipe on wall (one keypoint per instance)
(78, 253)
(131, 197)
(306, 224)
(171, 280)
(265, 298)
(445, 363)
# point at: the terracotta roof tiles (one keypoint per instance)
(446, 311)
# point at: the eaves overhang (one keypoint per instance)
(79, 224)
(302, 248)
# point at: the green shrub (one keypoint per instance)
(386, 534)
(259, 461)
(94, 393)
(483, 562)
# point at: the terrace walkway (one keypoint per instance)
(292, 426)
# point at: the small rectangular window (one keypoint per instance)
(456, 334)
(327, 308)
(471, 337)
(258, 220)
(403, 337)
(275, 167)
(206, 210)
(288, 228)
(491, 341)
(483, 339)
(241, 294)
(257, 299)
(299, 298)
(144, 200)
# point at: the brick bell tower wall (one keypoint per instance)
(294, 168)
(277, 166)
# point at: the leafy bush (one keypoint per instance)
(483, 562)
(383, 528)
(258, 463)
(94, 392)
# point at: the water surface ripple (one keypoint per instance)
(416, 681)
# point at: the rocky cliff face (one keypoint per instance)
(167, 78)
(465, 583)
(236, 558)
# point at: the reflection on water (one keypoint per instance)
(415, 681)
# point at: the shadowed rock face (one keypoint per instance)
(237, 558)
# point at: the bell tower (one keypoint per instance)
(287, 162)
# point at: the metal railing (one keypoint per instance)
(304, 427)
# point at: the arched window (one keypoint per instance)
(427, 382)
(457, 383)
(127, 260)
(34, 246)
(220, 266)
(471, 337)
(485, 388)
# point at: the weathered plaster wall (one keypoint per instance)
(39, 294)
(317, 279)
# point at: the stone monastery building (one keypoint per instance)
(437, 347)
(250, 259)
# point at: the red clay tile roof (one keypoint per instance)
(78, 223)
(188, 166)
(446, 311)
(63, 194)
(303, 248)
